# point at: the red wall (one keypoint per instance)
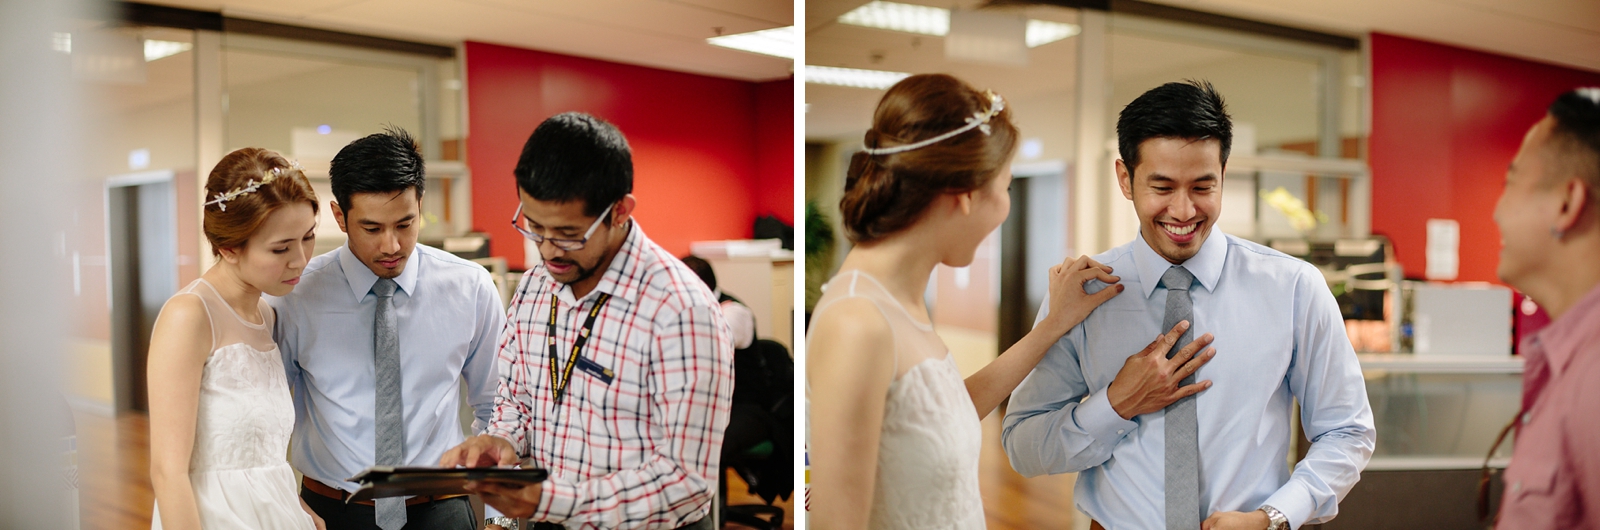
(1446, 122)
(701, 167)
(775, 149)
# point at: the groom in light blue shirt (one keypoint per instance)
(1275, 332)
(445, 321)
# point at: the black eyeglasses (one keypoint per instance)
(563, 244)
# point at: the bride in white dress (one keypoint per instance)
(894, 437)
(220, 411)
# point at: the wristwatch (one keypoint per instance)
(1275, 518)
(504, 522)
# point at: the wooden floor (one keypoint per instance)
(1011, 501)
(114, 474)
(114, 471)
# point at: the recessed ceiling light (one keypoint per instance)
(777, 42)
(157, 49)
(853, 77)
(924, 20)
(61, 41)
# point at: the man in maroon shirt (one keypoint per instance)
(1549, 222)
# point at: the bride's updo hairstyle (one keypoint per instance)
(244, 189)
(888, 192)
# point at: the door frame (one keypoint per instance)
(124, 372)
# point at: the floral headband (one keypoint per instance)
(221, 200)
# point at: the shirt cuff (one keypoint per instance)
(557, 501)
(514, 437)
(1294, 502)
(1096, 417)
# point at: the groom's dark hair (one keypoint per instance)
(379, 163)
(1191, 110)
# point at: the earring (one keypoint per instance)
(1556, 233)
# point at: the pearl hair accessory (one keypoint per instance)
(979, 120)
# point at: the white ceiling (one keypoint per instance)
(166, 79)
(840, 113)
(1564, 32)
(668, 34)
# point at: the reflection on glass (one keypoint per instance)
(1274, 100)
(1441, 415)
(269, 96)
(310, 107)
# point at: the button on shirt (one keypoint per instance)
(639, 451)
(1554, 477)
(1278, 336)
(449, 315)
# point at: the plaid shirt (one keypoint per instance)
(643, 450)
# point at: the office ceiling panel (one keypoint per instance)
(668, 34)
(1565, 32)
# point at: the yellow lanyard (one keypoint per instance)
(559, 378)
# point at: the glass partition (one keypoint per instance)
(308, 101)
(1294, 106)
(133, 232)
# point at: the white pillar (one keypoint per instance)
(1092, 179)
(210, 120)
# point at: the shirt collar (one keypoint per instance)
(1206, 265)
(621, 278)
(1579, 326)
(361, 278)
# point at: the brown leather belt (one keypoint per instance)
(340, 495)
(1095, 525)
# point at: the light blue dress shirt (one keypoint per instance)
(450, 319)
(1278, 336)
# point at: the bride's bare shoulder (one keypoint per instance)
(183, 328)
(851, 331)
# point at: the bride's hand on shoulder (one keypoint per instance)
(1070, 303)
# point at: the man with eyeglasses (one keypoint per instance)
(616, 365)
(378, 340)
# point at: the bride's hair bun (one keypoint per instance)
(884, 194)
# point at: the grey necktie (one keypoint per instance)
(388, 416)
(1183, 432)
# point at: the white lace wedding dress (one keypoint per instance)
(238, 469)
(928, 452)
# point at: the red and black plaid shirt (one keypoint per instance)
(641, 451)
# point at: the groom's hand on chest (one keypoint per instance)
(1149, 381)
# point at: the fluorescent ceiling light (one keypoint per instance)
(895, 16)
(777, 42)
(1042, 32)
(157, 49)
(924, 20)
(852, 77)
